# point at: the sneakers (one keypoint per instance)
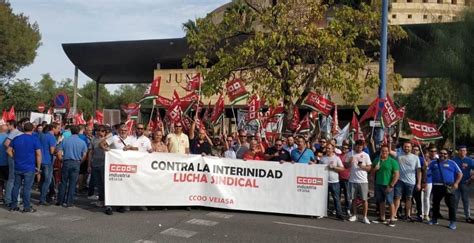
(28, 210)
(98, 204)
(426, 218)
(452, 225)
(339, 217)
(433, 222)
(43, 204)
(15, 209)
(353, 218)
(109, 211)
(348, 212)
(366, 220)
(379, 221)
(391, 223)
(93, 197)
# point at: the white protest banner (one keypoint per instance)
(165, 179)
(38, 118)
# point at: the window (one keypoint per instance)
(440, 1)
(409, 16)
(394, 16)
(425, 16)
(454, 1)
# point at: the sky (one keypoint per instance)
(73, 21)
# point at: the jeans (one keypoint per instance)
(46, 176)
(345, 187)
(97, 174)
(26, 179)
(335, 190)
(69, 175)
(10, 182)
(439, 192)
(463, 193)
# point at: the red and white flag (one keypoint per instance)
(304, 125)
(99, 117)
(90, 123)
(194, 83)
(448, 112)
(355, 127)
(174, 111)
(296, 119)
(11, 113)
(254, 108)
(390, 114)
(188, 101)
(154, 88)
(218, 111)
(335, 123)
(276, 110)
(4, 115)
(236, 90)
(79, 119)
(318, 103)
(424, 131)
(371, 112)
(165, 102)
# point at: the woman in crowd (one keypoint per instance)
(157, 143)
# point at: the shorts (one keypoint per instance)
(4, 173)
(403, 190)
(360, 190)
(382, 196)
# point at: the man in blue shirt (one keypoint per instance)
(3, 159)
(12, 133)
(446, 176)
(302, 154)
(73, 152)
(466, 165)
(48, 148)
(26, 151)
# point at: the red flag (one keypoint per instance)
(188, 101)
(279, 109)
(130, 123)
(11, 113)
(79, 119)
(448, 112)
(318, 103)
(90, 123)
(402, 111)
(296, 119)
(131, 109)
(194, 83)
(50, 110)
(389, 113)
(304, 125)
(99, 117)
(207, 116)
(218, 110)
(154, 88)
(254, 108)
(335, 123)
(355, 126)
(424, 131)
(371, 112)
(174, 111)
(165, 102)
(236, 90)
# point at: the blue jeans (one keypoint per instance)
(46, 176)
(26, 179)
(69, 175)
(97, 174)
(381, 196)
(463, 193)
(335, 190)
(11, 181)
(345, 189)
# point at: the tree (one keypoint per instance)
(47, 88)
(127, 93)
(86, 103)
(448, 53)
(22, 95)
(288, 49)
(19, 41)
(426, 102)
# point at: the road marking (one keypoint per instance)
(347, 231)
(202, 222)
(41, 213)
(145, 241)
(28, 227)
(6, 221)
(178, 233)
(220, 215)
(70, 218)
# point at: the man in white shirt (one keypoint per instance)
(360, 164)
(334, 166)
(178, 142)
(122, 140)
(142, 143)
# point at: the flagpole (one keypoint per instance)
(151, 114)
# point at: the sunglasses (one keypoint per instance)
(433, 151)
(278, 145)
(243, 136)
(443, 153)
(101, 130)
(124, 130)
(178, 126)
(140, 128)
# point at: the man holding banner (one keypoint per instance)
(178, 142)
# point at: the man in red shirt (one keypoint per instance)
(255, 152)
(344, 179)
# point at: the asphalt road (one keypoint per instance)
(87, 223)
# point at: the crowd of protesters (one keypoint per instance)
(63, 160)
